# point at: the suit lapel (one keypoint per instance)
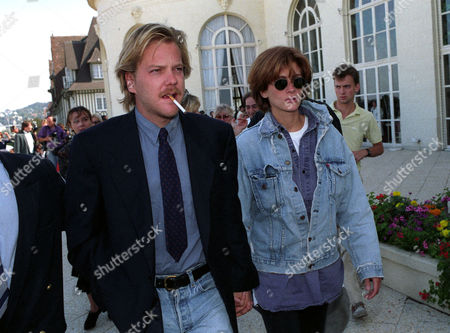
(26, 193)
(127, 171)
(201, 170)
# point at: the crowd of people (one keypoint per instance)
(189, 222)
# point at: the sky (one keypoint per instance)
(25, 30)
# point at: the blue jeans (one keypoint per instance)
(52, 158)
(196, 308)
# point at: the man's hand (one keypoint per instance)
(372, 290)
(360, 154)
(243, 302)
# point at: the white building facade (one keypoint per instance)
(400, 47)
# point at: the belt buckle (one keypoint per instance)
(165, 282)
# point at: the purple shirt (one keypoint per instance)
(57, 140)
(281, 292)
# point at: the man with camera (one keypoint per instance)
(52, 137)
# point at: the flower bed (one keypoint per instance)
(422, 228)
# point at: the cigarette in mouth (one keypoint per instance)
(176, 103)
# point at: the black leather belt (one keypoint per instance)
(172, 282)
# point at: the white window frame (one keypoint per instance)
(100, 97)
(392, 124)
(231, 87)
(96, 71)
(318, 82)
(445, 51)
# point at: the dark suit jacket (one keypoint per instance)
(36, 300)
(109, 208)
(21, 144)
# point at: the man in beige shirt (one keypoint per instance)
(356, 122)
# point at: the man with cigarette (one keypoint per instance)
(173, 171)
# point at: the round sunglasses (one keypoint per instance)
(282, 83)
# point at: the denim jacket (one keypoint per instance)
(282, 238)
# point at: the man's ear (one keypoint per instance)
(129, 79)
(357, 87)
(263, 93)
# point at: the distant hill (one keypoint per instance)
(35, 110)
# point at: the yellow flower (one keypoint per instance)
(439, 228)
(444, 223)
(445, 233)
(399, 204)
(414, 203)
(396, 194)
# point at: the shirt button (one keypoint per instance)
(303, 171)
(309, 239)
(287, 162)
(295, 189)
(280, 136)
(302, 217)
(49, 286)
(264, 186)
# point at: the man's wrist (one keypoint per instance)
(368, 152)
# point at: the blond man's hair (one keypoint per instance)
(136, 41)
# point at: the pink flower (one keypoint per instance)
(425, 245)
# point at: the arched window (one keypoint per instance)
(308, 39)
(227, 48)
(374, 53)
(444, 18)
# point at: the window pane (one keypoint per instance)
(446, 29)
(320, 38)
(371, 82)
(305, 45)
(369, 49)
(364, 2)
(448, 132)
(367, 22)
(445, 5)
(396, 106)
(210, 100)
(221, 58)
(381, 42)
(236, 56)
(216, 23)
(393, 42)
(386, 131)
(447, 104)
(234, 37)
(312, 19)
(356, 25)
(303, 22)
(238, 75)
(222, 77)
(398, 138)
(391, 14)
(297, 42)
(395, 77)
(385, 107)
(206, 38)
(208, 78)
(207, 59)
(383, 79)
(372, 106)
(220, 38)
(296, 20)
(248, 35)
(316, 89)
(353, 4)
(315, 61)
(446, 69)
(380, 15)
(313, 39)
(250, 55)
(225, 96)
(360, 101)
(235, 22)
(361, 82)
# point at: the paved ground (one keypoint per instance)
(390, 311)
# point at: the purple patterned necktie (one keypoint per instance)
(174, 221)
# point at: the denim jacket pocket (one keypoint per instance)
(336, 172)
(266, 188)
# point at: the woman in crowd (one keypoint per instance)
(224, 112)
(190, 103)
(298, 183)
(79, 119)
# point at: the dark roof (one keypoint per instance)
(75, 53)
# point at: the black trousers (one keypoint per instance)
(309, 320)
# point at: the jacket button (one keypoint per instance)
(295, 189)
(309, 239)
(49, 286)
(303, 171)
(280, 136)
(264, 186)
(302, 217)
(287, 162)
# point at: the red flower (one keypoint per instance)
(437, 284)
(424, 295)
(374, 207)
(400, 234)
(416, 239)
(380, 196)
